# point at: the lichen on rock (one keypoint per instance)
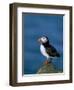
(48, 68)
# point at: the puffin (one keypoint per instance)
(47, 49)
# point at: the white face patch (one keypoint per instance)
(44, 39)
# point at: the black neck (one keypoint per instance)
(46, 44)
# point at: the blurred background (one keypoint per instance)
(35, 26)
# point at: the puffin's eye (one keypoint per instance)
(43, 39)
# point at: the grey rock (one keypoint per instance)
(48, 68)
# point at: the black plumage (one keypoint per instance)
(51, 51)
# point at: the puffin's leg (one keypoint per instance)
(48, 61)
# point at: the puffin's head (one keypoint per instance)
(43, 40)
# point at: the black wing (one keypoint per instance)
(52, 51)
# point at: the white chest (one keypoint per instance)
(43, 51)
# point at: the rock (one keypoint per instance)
(48, 68)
